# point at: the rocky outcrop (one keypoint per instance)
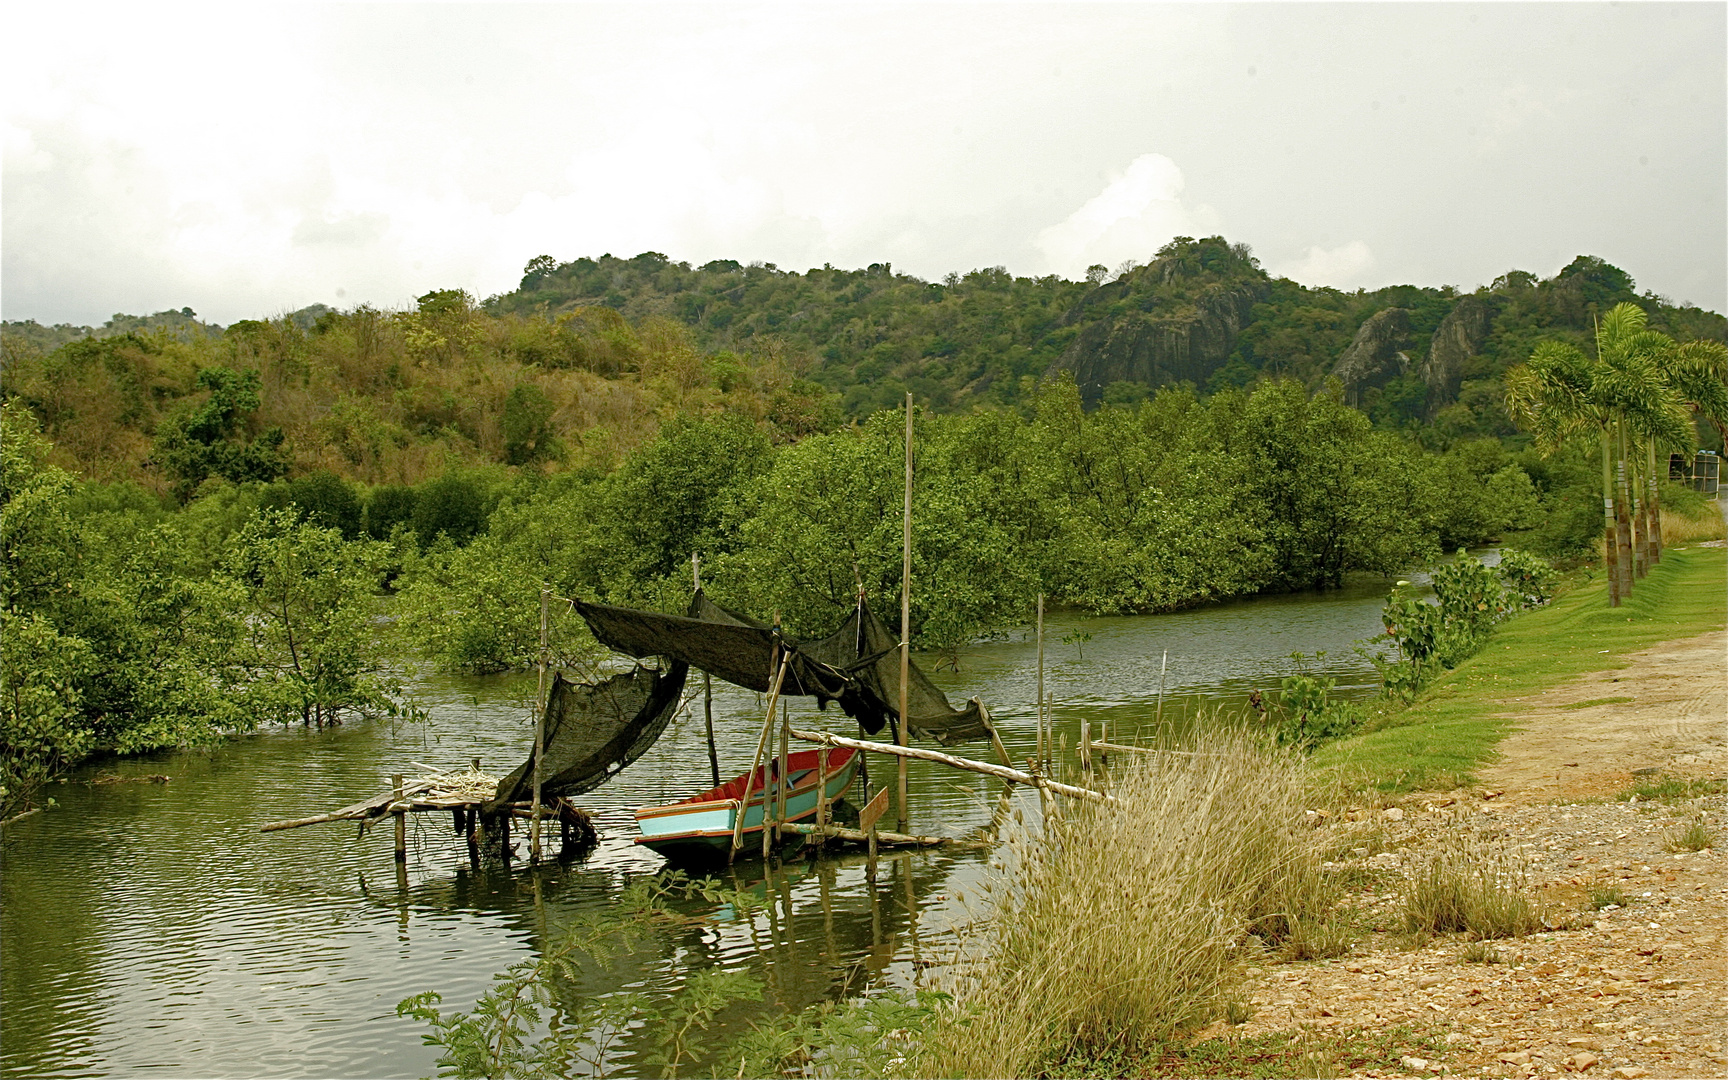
(1158, 340)
(1460, 336)
(1377, 353)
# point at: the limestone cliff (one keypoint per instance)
(1135, 331)
(1459, 337)
(1377, 353)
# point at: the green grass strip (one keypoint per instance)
(1453, 727)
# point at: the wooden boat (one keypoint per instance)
(699, 829)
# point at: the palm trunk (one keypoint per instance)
(1655, 505)
(1610, 561)
(1639, 507)
(1623, 530)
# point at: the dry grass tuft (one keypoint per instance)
(1470, 886)
(1116, 927)
(1695, 836)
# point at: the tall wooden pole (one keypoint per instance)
(1043, 749)
(539, 725)
(707, 683)
(905, 609)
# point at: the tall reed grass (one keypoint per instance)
(1677, 530)
(1117, 926)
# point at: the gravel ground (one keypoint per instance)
(1635, 989)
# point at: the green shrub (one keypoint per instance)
(1308, 716)
(1530, 579)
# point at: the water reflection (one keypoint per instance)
(153, 926)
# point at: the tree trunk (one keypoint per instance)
(1654, 503)
(1640, 532)
(1623, 531)
(1636, 507)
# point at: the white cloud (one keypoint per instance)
(1341, 267)
(1138, 212)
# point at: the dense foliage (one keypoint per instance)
(124, 628)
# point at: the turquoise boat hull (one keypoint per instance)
(699, 829)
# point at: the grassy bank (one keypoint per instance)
(1438, 742)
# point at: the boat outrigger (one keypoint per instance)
(700, 829)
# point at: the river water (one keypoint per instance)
(151, 926)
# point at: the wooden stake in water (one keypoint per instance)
(1158, 719)
(401, 820)
(707, 684)
(785, 764)
(539, 727)
(821, 786)
(905, 609)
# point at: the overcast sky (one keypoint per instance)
(250, 161)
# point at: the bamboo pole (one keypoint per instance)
(770, 794)
(840, 832)
(1124, 748)
(781, 782)
(1043, 747)
(539, 726)
(750, 777)
(1623, 527)
(954, 762)
(370, 808)
(905, 610)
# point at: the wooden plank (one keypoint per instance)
(873, 811)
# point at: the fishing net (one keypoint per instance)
(858, 665)
(594, 730)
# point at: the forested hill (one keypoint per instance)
(1203, 312)
(586, 360)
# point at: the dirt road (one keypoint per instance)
(1635, 988)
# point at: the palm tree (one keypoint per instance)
(1698, 373)
(1560, 392)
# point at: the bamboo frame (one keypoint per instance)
(761, 742)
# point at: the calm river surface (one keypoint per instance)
(152, 927)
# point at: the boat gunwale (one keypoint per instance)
(849, 763)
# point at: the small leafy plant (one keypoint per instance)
(1308, 714)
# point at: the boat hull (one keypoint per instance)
(699, 829)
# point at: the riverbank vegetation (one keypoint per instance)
(239, 507)
(1452, 727)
